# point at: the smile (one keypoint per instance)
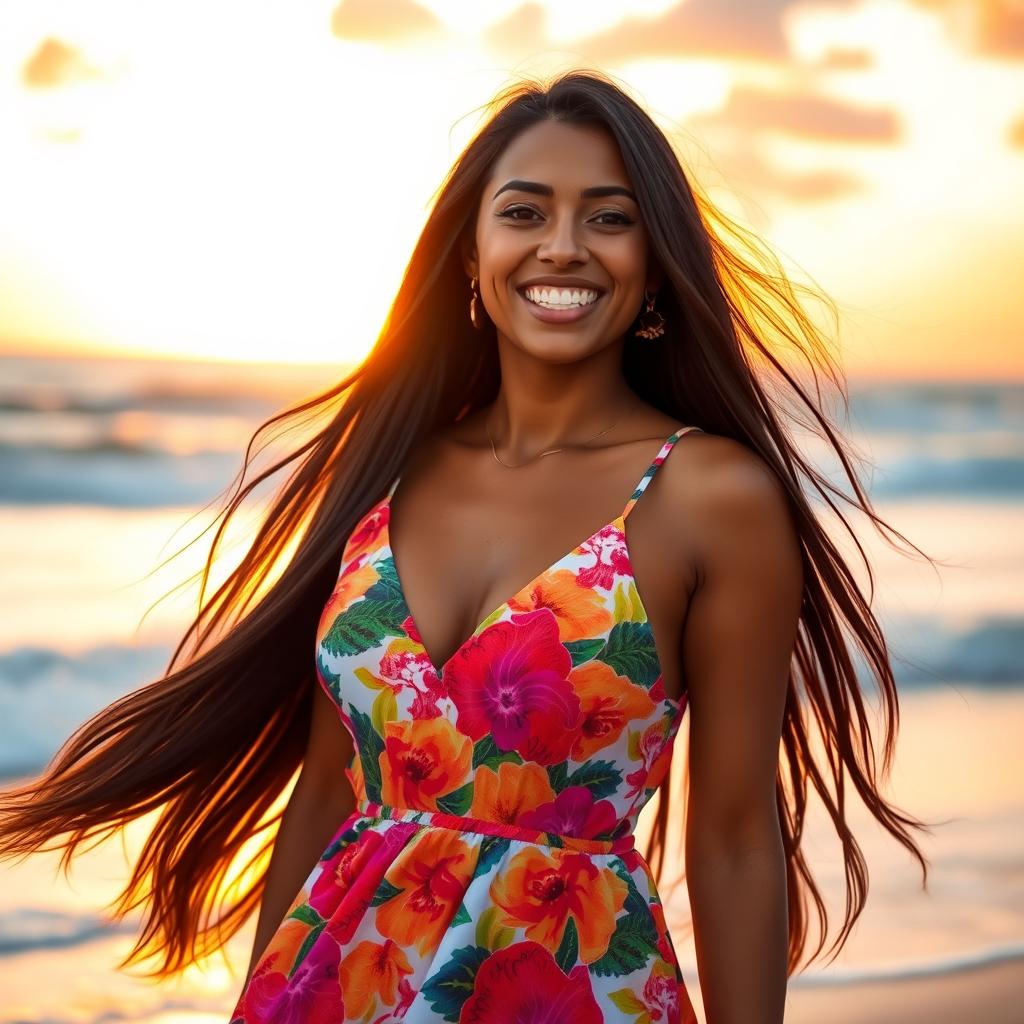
(556, 306)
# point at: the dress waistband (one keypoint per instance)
(459, 823)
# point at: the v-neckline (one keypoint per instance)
(619, 521)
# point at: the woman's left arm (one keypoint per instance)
(736, 648)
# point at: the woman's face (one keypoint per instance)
(537, 230)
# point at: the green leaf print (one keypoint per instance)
(569, 947)
(602, 778)
(306, 946)
(329, 677)
(385, 891)
(492, 849)
(461, 916)
(557, 774)
(306, 914)
(361, 626)
(632, 942)
(630, 651)
(583, 650)
(452, 985)
(387, 588)
(486, 752)
(458, 801)
(370, 744)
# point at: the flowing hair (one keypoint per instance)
(212, 745)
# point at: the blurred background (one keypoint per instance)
(204, 213)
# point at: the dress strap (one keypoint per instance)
(394, 486)
(653, 468)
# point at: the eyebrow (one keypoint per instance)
(536, 187)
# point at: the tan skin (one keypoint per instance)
(714, 551)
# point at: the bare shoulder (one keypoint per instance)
(733, 506)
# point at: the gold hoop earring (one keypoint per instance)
(652, 323)
(474, 311)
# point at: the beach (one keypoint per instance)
(104, 464)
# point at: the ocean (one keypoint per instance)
(106, 466)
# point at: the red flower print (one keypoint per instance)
(510, 682)
(406, 665)
(573, 813)
(338, 873)
(661, 994)
(344, 890)
(608, 547)
(368, 532)
(522, 984)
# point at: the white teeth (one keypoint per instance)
(561, 299)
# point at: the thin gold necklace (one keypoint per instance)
(549, 451)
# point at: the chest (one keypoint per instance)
(462, 560)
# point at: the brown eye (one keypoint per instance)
(509, 212)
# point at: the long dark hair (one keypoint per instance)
(213, 744)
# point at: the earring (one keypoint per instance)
(652, 323)
(474, 314)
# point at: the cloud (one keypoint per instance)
(521, 30)
(811, 117)
(55, 64)
(1016, 134)
(840, 59)
(382, 21)
(746, 29)
(989, 28)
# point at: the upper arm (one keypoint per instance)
(328, 749)
(736, 649)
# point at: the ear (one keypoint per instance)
(467, 251)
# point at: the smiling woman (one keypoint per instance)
(476, 734)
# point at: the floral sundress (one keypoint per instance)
(488, 874)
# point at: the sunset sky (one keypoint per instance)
(247, 180)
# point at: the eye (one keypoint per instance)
(622, 218)
(510, 211)
(619, 219)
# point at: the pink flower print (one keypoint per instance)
(511, 681)
(573, 813)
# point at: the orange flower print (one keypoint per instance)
(608, 702)
(433, 873)
(540, 889)
(355, 580)
(580, 611)
(286, 943)
(422, 759)
(372, 972)
(512, 790)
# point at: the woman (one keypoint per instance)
(480, 701)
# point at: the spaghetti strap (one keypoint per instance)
(653, 468)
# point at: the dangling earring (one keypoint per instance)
(652, 323)
(473, 307)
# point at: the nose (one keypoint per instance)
(560, 244)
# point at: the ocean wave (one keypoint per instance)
(30, 929)
(46, 693)
(908, 970)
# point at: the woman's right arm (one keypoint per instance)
(319, 803)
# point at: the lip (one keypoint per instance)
(559, 316)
